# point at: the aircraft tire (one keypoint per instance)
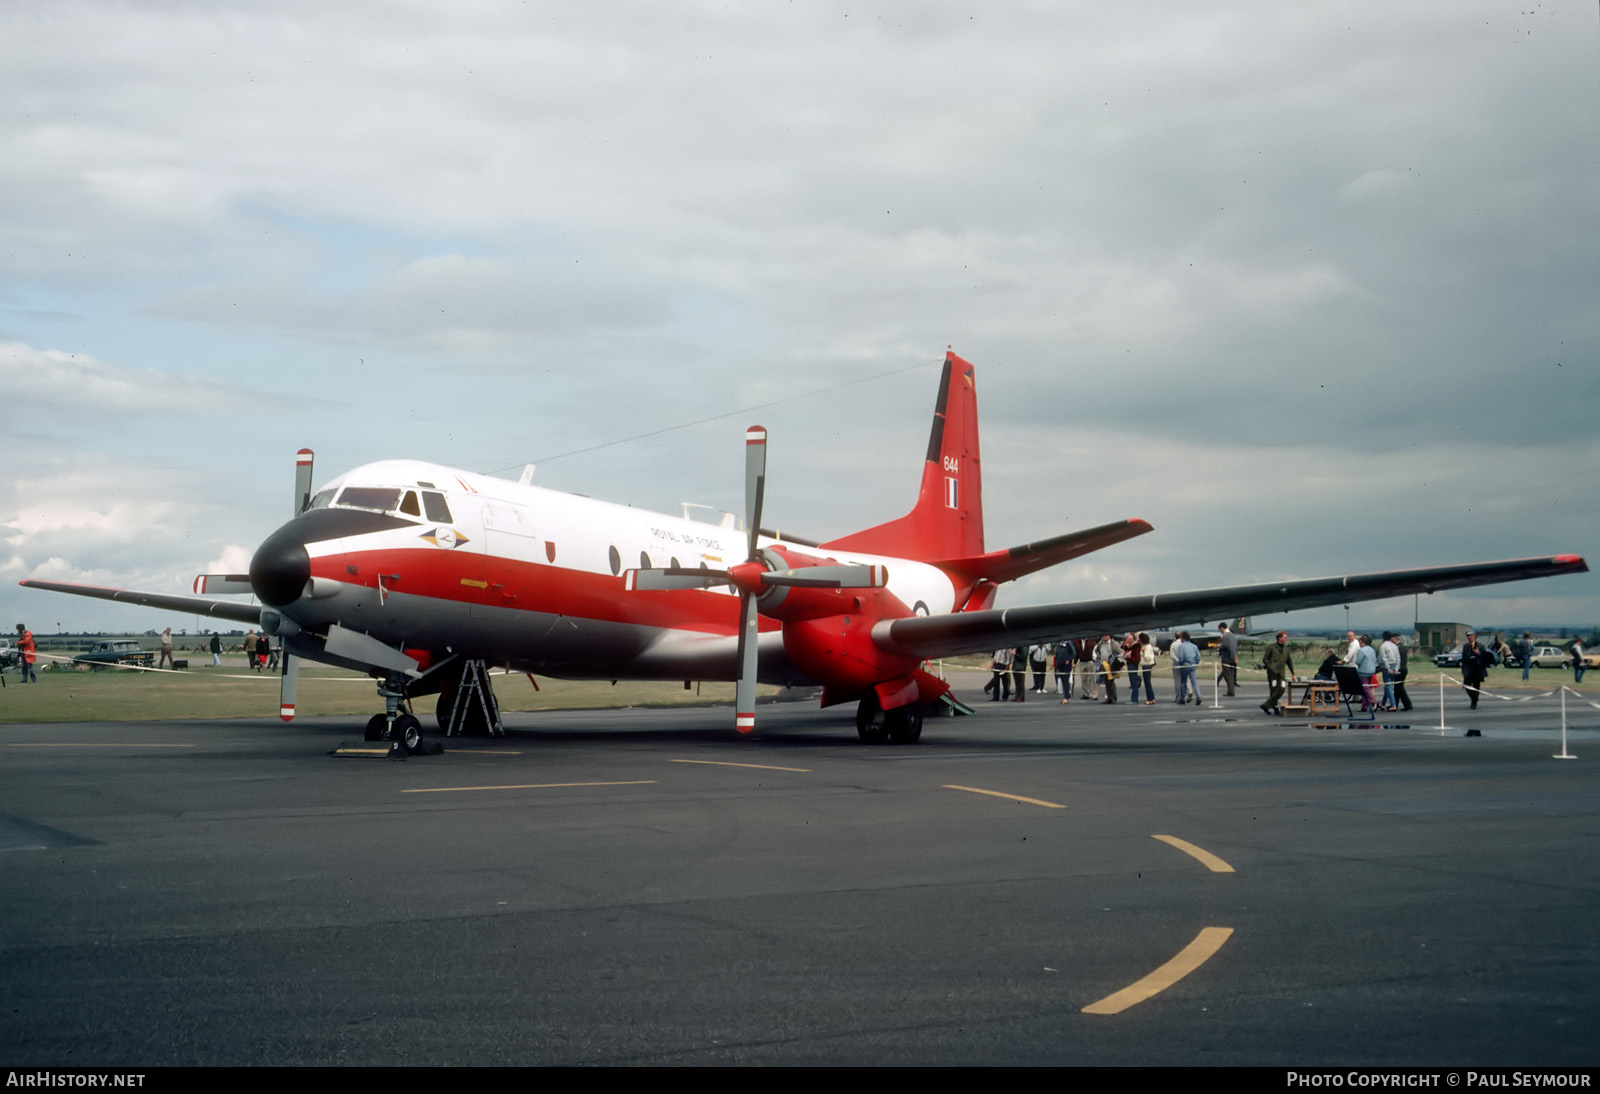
(905, 724)
(871, 725)
(408, 734)
(377, 727)
(447, 702)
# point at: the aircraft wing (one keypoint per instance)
(974, 632)
(192, 605)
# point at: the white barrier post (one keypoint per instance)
(1216, 685)
(1441, 704)
(1564, 754)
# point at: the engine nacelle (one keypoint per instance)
(794, 602)
(838, 652)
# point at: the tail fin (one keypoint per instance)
(947, 521)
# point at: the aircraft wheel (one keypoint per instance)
(905, 724)
(408, 733)
(377, 728)
(870, 724)
(447, 702)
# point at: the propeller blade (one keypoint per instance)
(744, 693)
(666, 578)
(213, 584)
(830, 577)
(755, 482)
(286, 685)
(302, 481)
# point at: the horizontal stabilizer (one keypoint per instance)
(971, 632)
(193, 605)
(222, 584)
(1015, 562)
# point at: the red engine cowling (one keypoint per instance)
(837, 651)
(793, 602)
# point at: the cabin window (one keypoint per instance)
(381, 498)
(644, 560)
(409, 506)
(433, 504)
(616, 561)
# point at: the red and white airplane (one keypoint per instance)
(420, 574)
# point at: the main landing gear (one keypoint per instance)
(901, 726)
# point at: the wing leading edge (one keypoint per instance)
(973, 632)
(195, 605)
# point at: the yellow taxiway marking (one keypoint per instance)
(521, 786)
(1008, 797)
(1191, 957)
(87, 744)
(1210, 861)
(759, 767)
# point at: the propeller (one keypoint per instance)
(289, 665)
(755, 488)
(752, 578)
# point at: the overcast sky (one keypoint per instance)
(1311, 287)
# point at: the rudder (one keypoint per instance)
(947, 520)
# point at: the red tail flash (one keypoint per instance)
(947, 521)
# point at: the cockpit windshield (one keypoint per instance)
(381, 498)
(387, 499)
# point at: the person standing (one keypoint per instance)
(1066, 654)
(1105, 659)
(1352, 649)
(1147, 661)
(1131, 650)
(1400, 677)
(1186, 658)
(166, 650)
(1525, 653)
(1039, 661)
(28, 652)
(1578, 668)
(1389, 665)
(1474, 667)
(1367, 670)
(1088, 675)
(1280, 667)
(216, 650)
(1228, 653)
(1019, 674)
(1000, 685)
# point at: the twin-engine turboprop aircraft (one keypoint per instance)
(420, 575)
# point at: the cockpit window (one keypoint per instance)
(381, 498)
(409, 506)
(321, 500)
(436, 509)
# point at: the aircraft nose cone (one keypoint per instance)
(280, 568)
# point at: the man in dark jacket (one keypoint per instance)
(1280, 667)
(1475, 662)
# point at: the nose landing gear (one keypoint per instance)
(400, 728)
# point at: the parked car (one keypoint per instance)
(9, 655)
(1451, 660)
(1550, 657)
(122, 651)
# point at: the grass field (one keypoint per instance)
(232, 691)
